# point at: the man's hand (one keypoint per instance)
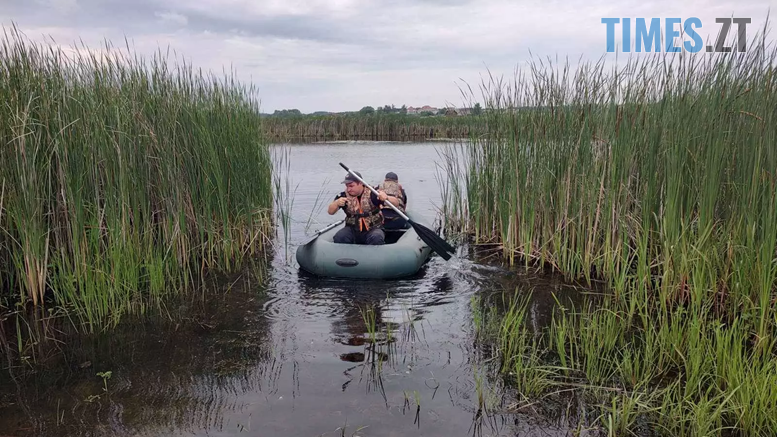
(382, 195)
(336, 205)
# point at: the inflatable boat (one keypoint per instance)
(403, 255)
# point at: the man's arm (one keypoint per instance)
(336, 204)
(378, 200)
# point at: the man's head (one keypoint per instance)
(352, 185)
(391, 176)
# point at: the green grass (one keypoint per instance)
(659, 180)
(124, 178)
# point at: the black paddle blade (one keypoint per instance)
(433, 240)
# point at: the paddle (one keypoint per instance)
(321, 231)
(429, 237)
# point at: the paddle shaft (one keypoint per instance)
(321, 231)
(329, 227)
(401, 214)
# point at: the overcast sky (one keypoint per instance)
(338, 55)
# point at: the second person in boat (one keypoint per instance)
(364, 221)
(392, 187)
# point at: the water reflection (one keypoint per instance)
(184, 374)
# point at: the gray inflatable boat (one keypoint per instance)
(403, 255)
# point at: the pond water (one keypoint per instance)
(294, 356)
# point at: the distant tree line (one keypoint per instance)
(386, 109)
(287, 113)
(367, 110)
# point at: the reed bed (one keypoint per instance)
(375, 127)
(657, 179)
(124, 178)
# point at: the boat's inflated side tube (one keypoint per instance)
(323, 257)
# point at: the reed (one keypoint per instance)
(380, 127)
(657, 178)
(124, 178)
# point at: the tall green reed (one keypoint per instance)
(576, 169)
(125, 178)
(283, 193)
(658, 178)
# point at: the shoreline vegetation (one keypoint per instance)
(370, 127)
(116, 185)
(659, 181)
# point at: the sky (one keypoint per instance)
(341, 55)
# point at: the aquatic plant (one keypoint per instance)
(658, 179)
(283, 194)
(124, 179)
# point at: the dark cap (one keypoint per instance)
(350, 178)
(392, 176)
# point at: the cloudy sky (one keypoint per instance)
(339, 55)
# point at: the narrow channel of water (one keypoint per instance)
(294, 356)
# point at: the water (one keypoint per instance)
(294, 357)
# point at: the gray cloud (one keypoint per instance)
(280, 26)
(344, 54)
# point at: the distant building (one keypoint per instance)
(421, 109)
